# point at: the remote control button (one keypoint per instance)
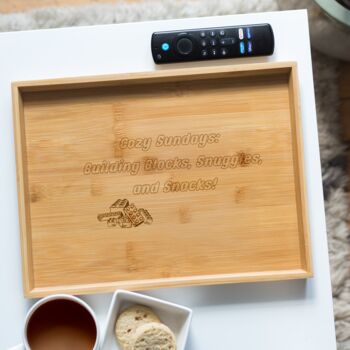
(212, 33)
(248, 33)
(242, 47)
(184, 46)
(214, 52)
(202, 34)
(224, 52)
(165, 46)
(204, 53)
(240, 34)
(227, 41)
(203, 43)
(213, 42)
(250, 47)
(222, 32)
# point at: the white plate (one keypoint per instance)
(176, 317)
(18, 347)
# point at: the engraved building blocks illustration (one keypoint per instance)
(133, 214)
(107, 216)
(125, 215)
(147, 218)
(119, 204)
(125, 222)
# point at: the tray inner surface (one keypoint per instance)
(215, 162)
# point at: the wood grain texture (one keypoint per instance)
(232, 209)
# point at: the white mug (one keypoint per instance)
(45, 300)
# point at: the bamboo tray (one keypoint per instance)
(170, 178)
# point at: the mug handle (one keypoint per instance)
(18, 347)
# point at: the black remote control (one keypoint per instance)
(212, 43)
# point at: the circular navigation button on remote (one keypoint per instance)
(222, 32)
(203, 43)
(212, 33)
(202, 34)
(184, 46)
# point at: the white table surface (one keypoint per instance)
(295, 315)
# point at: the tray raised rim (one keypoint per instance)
(183, 74)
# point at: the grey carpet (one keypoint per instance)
(325, 73)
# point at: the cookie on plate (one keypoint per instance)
(129, 321)
(153, 336)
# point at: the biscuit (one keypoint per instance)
(153, 336)
(128, 322)
(133, 214)
(147, 217)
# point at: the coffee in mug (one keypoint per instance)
(61, 322)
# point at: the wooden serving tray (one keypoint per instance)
(169, 178)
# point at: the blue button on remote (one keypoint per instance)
(248, 33)
(242, 48)
(165, 46)
(250, 47)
